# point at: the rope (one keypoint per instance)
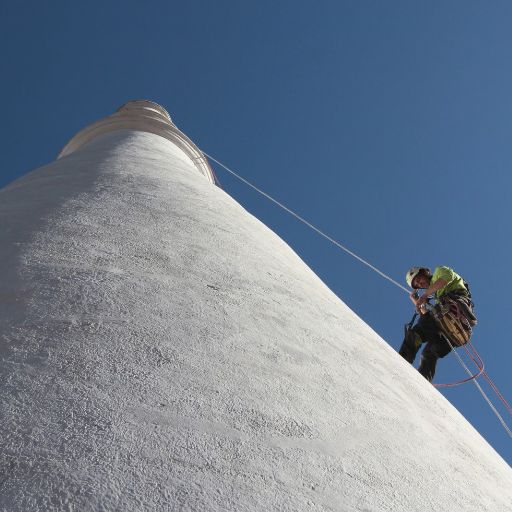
(497, 391)
(382, 274)
(477, 384)
(479, 364)
(314, 228)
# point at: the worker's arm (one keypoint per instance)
(440, 283)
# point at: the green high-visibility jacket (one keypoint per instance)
(453, 281)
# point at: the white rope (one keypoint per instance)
(364, 262)
(477, 384)
(314, 228)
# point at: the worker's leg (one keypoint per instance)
(424, 330)
(434, 350)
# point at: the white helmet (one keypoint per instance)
(413, 272)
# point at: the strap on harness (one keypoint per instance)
(408, 327)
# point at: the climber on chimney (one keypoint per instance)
(446, 324)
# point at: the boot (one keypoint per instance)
(410, 345)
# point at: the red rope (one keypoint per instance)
(492, 384)
(497, 391)
(479, 364)
(477, 359)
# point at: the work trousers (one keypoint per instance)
(425, 331)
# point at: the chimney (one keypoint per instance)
(162, 349)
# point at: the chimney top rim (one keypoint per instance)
(144, 104)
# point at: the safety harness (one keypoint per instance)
(454, 316)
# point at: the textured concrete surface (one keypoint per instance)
(161, 349)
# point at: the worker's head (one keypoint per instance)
(418, 277)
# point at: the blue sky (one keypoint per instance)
(386, 124)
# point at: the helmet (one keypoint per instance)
(413, 272)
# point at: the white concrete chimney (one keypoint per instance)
(161, 349)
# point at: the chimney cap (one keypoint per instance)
(145, 105)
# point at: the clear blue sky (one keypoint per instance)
(387, 124)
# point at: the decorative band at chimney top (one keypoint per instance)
(146, 116)
(145, 105)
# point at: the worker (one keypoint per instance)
(445, 285)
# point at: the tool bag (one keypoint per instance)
(455, 317)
